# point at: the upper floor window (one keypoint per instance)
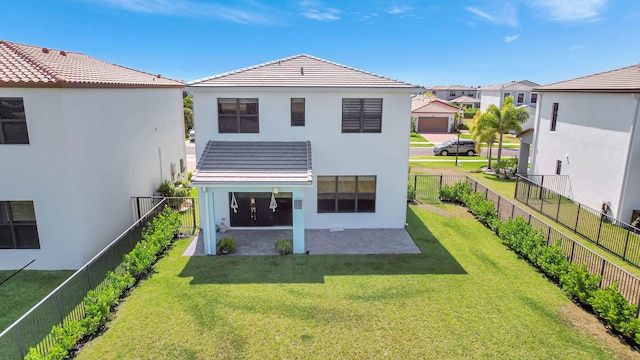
(534, 98)
(558, 167)
(238, 116)
(452, 93)
(297, 111)
(346, 194)
(361, 115)
(520, 99)
(506, 95)
(13, 122)
(18, 225)
(554, 117)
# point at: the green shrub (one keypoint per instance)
(483, 209)
(99, 303)
(225, 245)
(611, 306)
(579, 283)
(552, 260)
(284, 247)
(506, 168)
(181, 188)
(411, 193)
(455, 193)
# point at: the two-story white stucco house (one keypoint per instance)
(520, 90)
(78, 138)
(452, 92)
(588, 129)
(301, 143)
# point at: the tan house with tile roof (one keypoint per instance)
(589, 130)
(433, 115)
(78, 138)
(301, 143)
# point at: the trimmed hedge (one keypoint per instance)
(99, 303)
(608, 303)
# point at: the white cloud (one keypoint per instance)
(511, 38)
(190, 8)
(503, 14)
(397, 10)
(572, 11)
(326, 15)
(316, 11)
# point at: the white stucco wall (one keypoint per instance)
(382, 154)
(592, 139)
(488, 98)
(89, 152)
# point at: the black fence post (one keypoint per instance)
(415, 182)
(498, 207)
(528, 192)
(604, 262)
(559, 202)
(515, 195)
(548, 235)
(440, 181)
(541, 198)
(599, 230)
(575, 229)
(626, 245)
(513, 209)
(573, 247)
(193, 213)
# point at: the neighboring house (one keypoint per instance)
(588, 129)
(451, 92)
(520, 90)
(466, 102)
(433, 115)
(78, 138)
(260, 127)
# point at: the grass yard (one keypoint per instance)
(465, 297)
(23, 291)
(415, 137)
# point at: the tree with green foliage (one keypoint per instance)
(187, 104)
(481, 136)
(502, 120)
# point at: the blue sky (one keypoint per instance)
(426, 43)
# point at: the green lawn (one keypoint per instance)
(23, 291)
(415, 137)
(465, 297)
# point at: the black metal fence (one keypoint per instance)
(65, 302)
(597, 226)
(428, 187)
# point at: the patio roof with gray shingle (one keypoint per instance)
(254, 163)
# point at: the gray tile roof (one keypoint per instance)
(301, 71)
(452, 88)
(254, 162)
(626, 79)
(516, 85)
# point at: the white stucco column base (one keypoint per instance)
(298, 223)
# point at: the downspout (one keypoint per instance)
(625, 179)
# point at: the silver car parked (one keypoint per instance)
(466, 147)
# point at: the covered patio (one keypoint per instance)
(348, 241)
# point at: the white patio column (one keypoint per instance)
(208, 221)
(523, 159)
(298, 222)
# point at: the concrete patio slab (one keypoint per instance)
(348, 241)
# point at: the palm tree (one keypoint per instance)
(482, 136)
(501, 121)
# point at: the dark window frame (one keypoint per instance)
(239, 116)
(8, 120)
(297, 116)
(10, 227)
(358, 196)
(554, 116)
(358, 117)
(558, 167)
(534, 98)
(520, 98)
